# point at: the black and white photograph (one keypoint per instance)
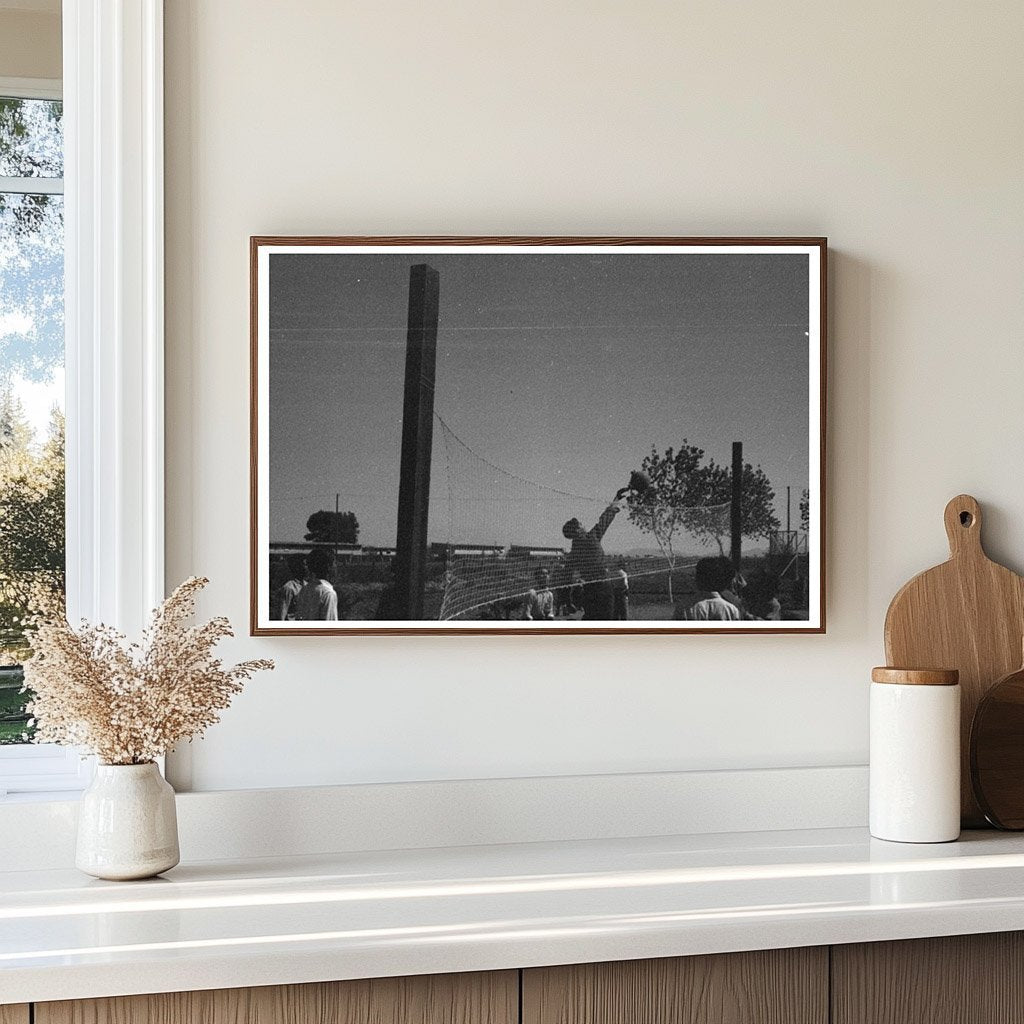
(537, 435)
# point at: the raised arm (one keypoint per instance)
(605, 521)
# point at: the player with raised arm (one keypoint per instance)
(587, 557)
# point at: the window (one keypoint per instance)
(32, 531)
(31, 384)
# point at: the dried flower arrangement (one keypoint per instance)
(130, 703)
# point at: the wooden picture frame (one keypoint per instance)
(541, 374)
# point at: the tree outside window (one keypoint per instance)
(31, 386)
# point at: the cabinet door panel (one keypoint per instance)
(484, 998)
(779, 986)
(14, 1014)
(960, 979)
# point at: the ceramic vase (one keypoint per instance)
(127, 825)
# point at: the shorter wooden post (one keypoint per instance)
(736, 512)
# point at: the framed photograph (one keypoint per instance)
(537, 435)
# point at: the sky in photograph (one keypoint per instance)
(556, 373)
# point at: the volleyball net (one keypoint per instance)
(501, 529)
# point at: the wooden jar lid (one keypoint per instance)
(916, 676)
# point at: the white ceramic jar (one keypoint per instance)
(127, 823)
(915, 755)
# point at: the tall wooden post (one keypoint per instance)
(417, 441)
(736, 512)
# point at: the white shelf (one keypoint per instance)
(354, 915)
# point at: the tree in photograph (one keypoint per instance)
(333, 528)
(757, 506)
(805, 510)
(662, 510)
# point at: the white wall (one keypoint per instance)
(895, 129)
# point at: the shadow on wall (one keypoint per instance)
(854, 288)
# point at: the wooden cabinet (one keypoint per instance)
(962, 979)
(778, 986)
(970, 979)
(491, 998)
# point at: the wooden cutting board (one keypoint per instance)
(967, 614)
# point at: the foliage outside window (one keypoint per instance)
(31, 386)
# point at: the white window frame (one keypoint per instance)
(37, 767)
(32, 88)
(114, 323)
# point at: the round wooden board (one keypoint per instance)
(997, 752)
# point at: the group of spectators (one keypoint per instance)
(725, 595)
(588, 587)
(722, 595)
(308, 594)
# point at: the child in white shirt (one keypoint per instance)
(712, 576)
(540, 601)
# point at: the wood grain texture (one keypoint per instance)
(997, 752)
(915, 676)
(967, 614)
(962, 979)
(778, 986)
(481, 998)
(14, 1014)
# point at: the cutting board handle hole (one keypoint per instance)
(966, 519)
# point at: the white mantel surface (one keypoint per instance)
(353, 915)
